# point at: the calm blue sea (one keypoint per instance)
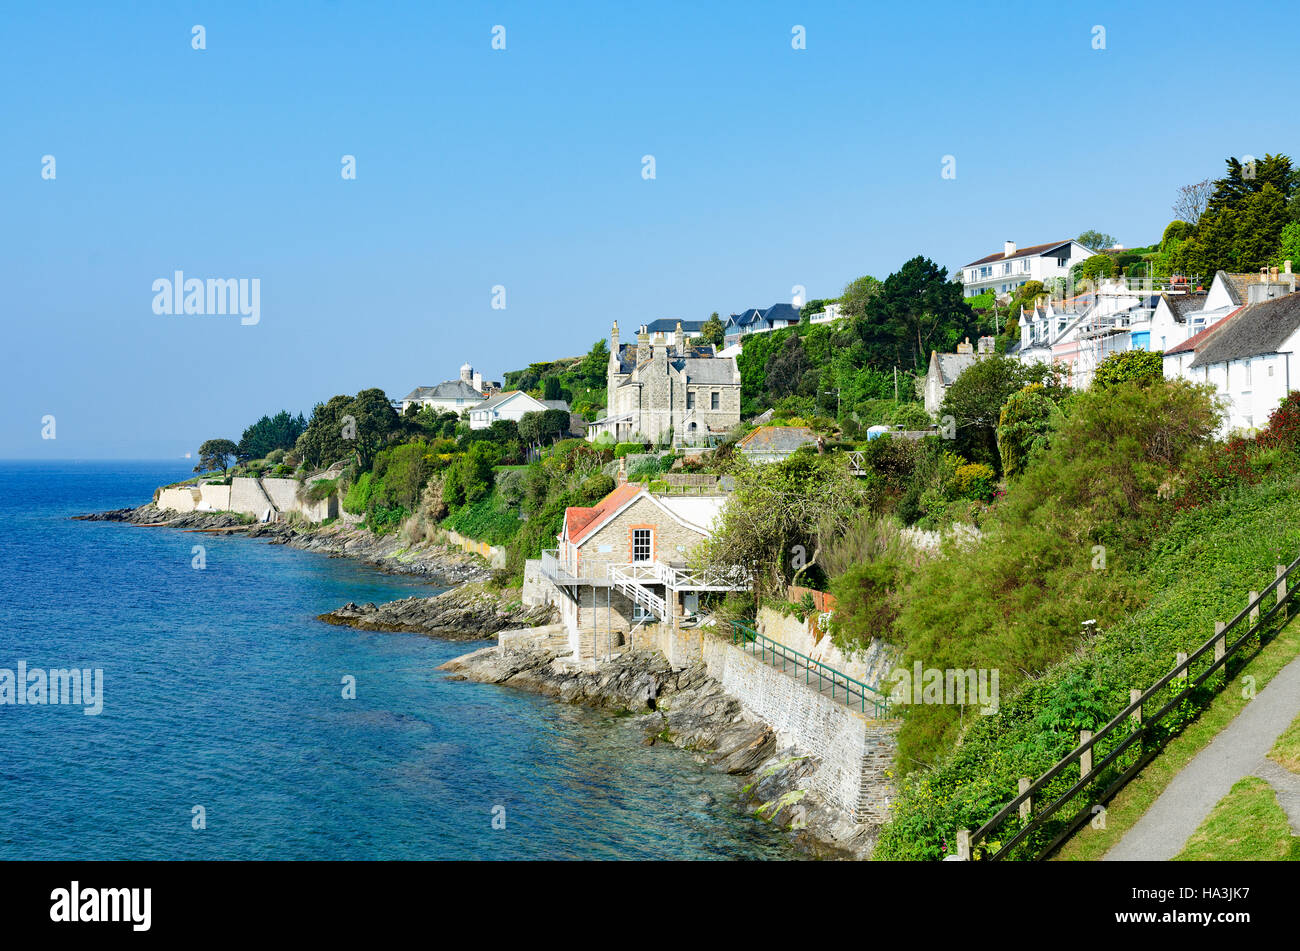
(221, 690)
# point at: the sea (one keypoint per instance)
(229, 723)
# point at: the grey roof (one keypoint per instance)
(555, 404)
(669, 325)
(781, 312)
(1255, 330)
(708, 370)
(951, 366)
(1183, 304)
(447, 390)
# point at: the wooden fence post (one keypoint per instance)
(963, 845)
(1254, 612)
(1085, 758)
(1136, 715)
(1220, 642)
(1026, 807)
(1179, 659)
(1279, 572)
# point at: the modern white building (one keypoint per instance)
(1002, 272)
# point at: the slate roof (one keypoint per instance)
(555, 404)
(1257, 329)
(447, 390)
(1019, 253)
(777, 439)
(1183, 304)
(668, 325)
(951, 366)
(708, 370)
(781, 312)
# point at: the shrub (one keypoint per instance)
(975, 481)
(624, 448)
(1136, 366)
(911, 416)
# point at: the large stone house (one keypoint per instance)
(660, 388)
(1003, 271)
(622, 564)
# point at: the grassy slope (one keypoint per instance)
(1200, 572)
(1246, 825)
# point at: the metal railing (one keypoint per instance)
(844, 688)
(1129, 727)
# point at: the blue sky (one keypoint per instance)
(522, 167)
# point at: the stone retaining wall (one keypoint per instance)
(855, 754)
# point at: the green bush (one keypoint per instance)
(624, 448)
(486, 520)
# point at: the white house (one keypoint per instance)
(1003, 272)
(512, 404)
(454, 396)
(1248, 355)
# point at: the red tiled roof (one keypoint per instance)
(1191, 343)
(581, 522)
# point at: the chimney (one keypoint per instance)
(642, 345)
(613, 339)
(478, 381)
(986, 344)
(965, 347)
(679, 337)
(622, 470)
(1008, 249)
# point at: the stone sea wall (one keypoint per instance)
(854, 753)
(247, 496)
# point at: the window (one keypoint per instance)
(713, 401)
(640, 613)
(690, 399)
(1247, 381)
(641, 544)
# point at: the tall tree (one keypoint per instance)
(917, 310)
(857, 294)
(216, 454)
(713, 331)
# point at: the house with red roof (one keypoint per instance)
(624, 563)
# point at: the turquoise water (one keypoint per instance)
(221, 690)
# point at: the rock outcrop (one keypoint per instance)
(467, 613)
(441, 564)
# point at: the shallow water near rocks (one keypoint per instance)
(222, 691)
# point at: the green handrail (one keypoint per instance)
(749, 639)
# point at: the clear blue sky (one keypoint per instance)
(522, 167)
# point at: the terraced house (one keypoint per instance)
(663, 390)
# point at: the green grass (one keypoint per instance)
(1246, 826)
(1132, 802)
(1286, 751)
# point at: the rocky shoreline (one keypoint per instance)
(468, 612)
(691, 710)
(440, 564)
